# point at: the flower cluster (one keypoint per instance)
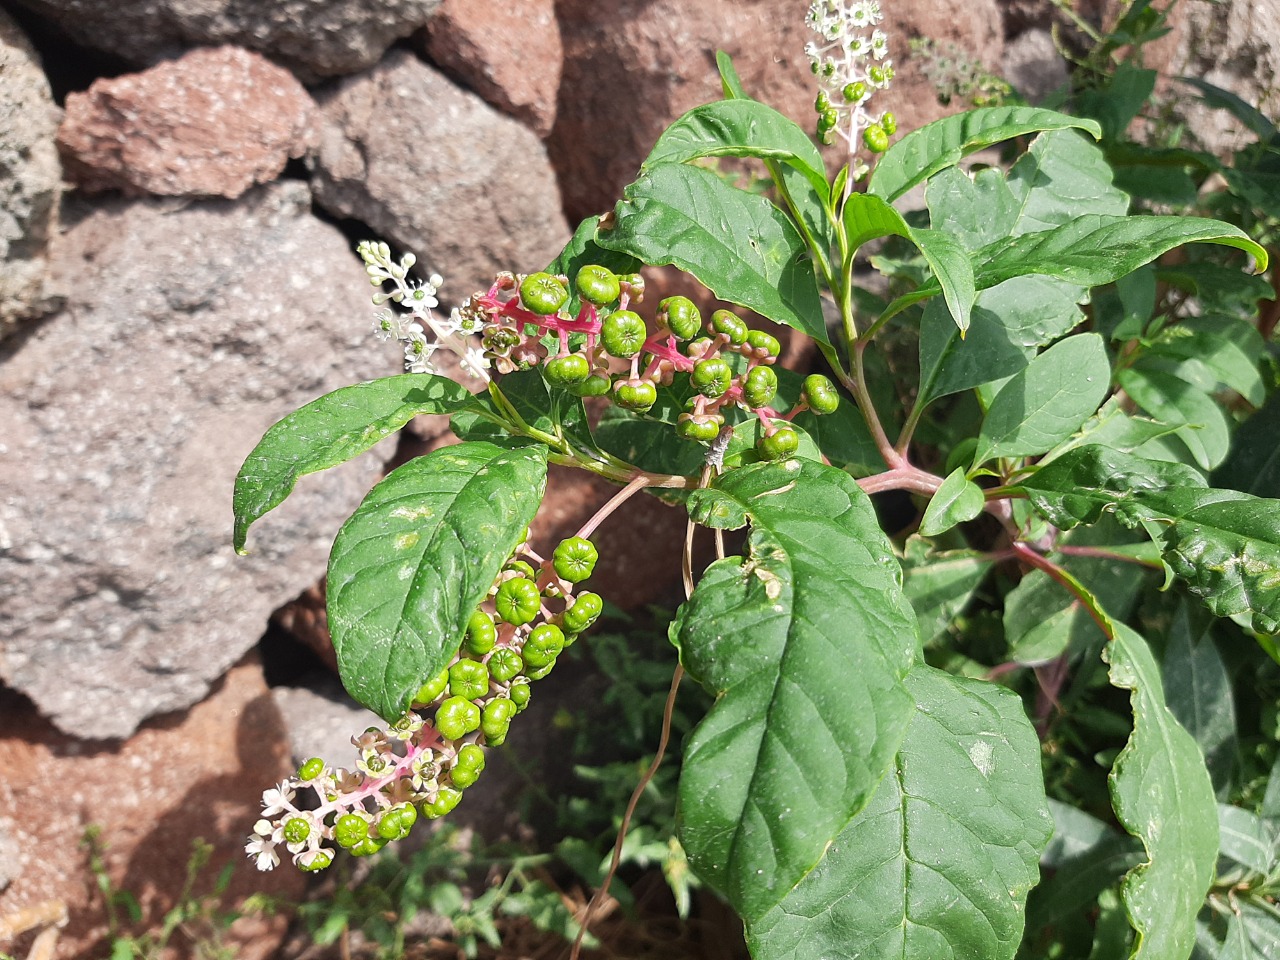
(411, 328)
(525, 324)
(851, 63)
(421, 763)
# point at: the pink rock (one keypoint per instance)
(508, 51)
(213, 122)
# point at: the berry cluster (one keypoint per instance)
(421, 763)
(524, 320)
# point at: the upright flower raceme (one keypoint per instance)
(852, 64)
(420, 330)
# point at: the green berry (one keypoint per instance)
(820, 394)
(505, 665)
(430, 691)
(517, 600)
(623, 333)
(574, 559)
(583, 613)
(763, 344)
(889, 123)
(543, 646)
(853, 92)
(712, 377)
(446, 799)
(698, 427)
(760, 386)
(468, 679)
(470, 757)
(395, 824)
(368, 846)
(567, 371)
(481, 633)
(311, 769)
(778, 445)
(821, 101)
(542, 293)
(638, 395)
(457, 717)
(730, 324)
(681, 316)
(318, 861)
(542, 671)
(519, 694)
(296, 830)
(597, 284)
(595, 385)
(875, 138)
(349, 829)
(495, 719)
(635, 286)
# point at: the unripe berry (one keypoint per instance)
(542, 671)
(635, 286)
(495, 719)
(595, 385)
(517, 600)
(597, 285)
(349, 829)
(586, 608)
(698, 427)
(317, 862)
(519, 694)
(574, 559)
(545, 643)
(470, 757)
(446, 799)
(681, 316)
(296, 830)
(311, 769)
(468, 679)
(875, 138)
(368, 846)
(623, 333)
(853, 92)
(395, 824)
(505, 665)
(778, 445)
(522, 567)
(764, 345)
(457, 717)
(760, 386)
(567, 371)
(635, 394)
(431, 690)
(889, 123)
(730, 324)
(481, 633)
(542, 293)
(712, 377)
(820, 393)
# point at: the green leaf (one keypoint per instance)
(1198, 690)
(648, 444)
(1202, 425)
(805, 643)
(741, 128)
(940, 585)
(1112, 427)
(1047, 401)
(738, 245)
(409, 567)
(1248, 839)
(957, 500)
(729, 81)
(1161, 794)
(940, 861)
(944, 143)
(1253, 463)
(332, 430)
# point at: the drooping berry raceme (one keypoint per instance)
(851, 63)
(420, 330)
(421, 764)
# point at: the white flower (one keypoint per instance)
(278, 799)
(263, 851)
(420, 297)
(474, 363)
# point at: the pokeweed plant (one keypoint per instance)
(845, 793)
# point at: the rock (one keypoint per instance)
(314, 38)
(321, 720)
(435, 170)
(198, 775)
(1033, 64)
(30, 180)
(214, 122)
(508, 51)
(189, 330)
(636, 65)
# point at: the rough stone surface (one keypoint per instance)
(508, 51)
(198, 775)
(214, 122)
(634, 66)
(314, 38)
(1033, 64)
(190, 329)
(435, 170)
(30, 179)
(321, 720)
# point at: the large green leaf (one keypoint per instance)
(1253, 463)
(1201, 424)
(409, 567)
(944, 143)
(1046, 401)
(940, 585)
(805, 643)
(740, 128)
(330, 431)
(739, 245)
(1161, 794)
(940, 861)
(1198, 690)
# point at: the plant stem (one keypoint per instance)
(638, 483)
(902, 477)
(858, 386)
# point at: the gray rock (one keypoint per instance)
(321, 720)
(1033, 64)
(188, 331)
(314, 38)
(435, 170)
(30, 179)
